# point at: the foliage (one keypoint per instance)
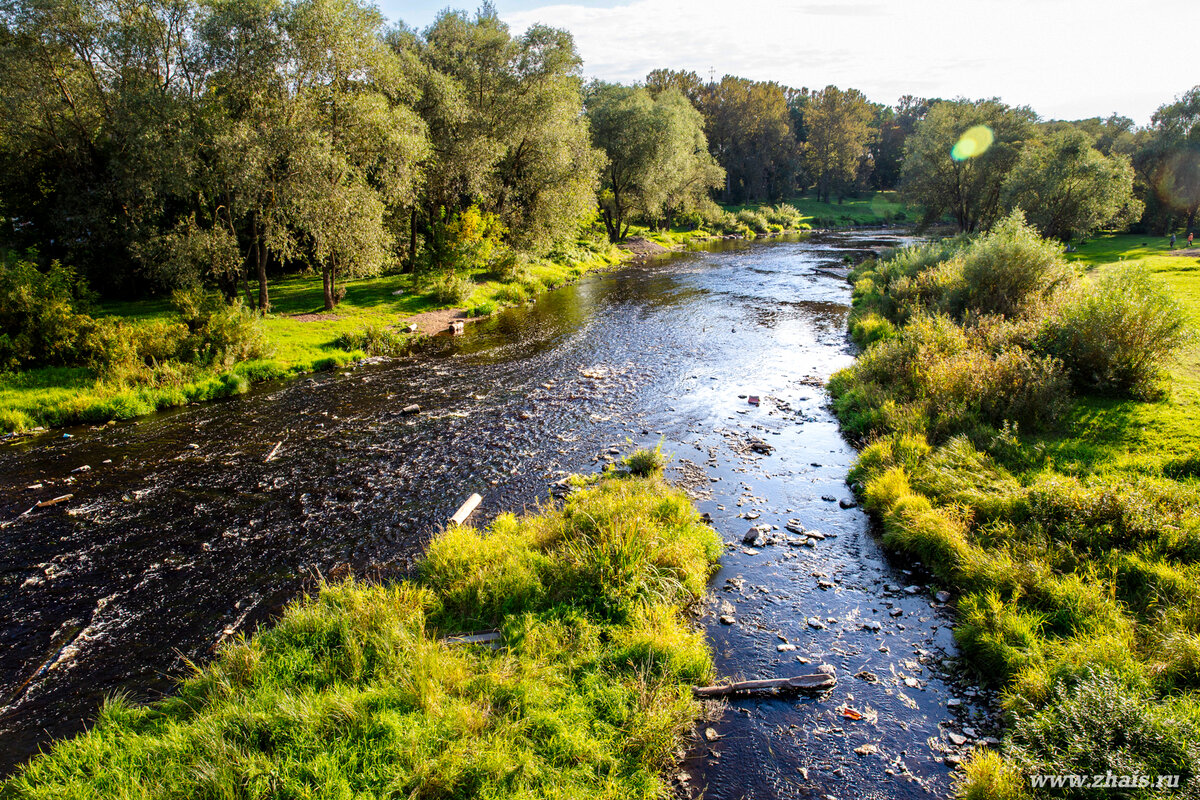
(1010, 268)
(375, 341)
(588, 697)
(1071, 548)
(40, 313)
(967, 190)
(1116, 334)
(838, 125)
(1068, 189)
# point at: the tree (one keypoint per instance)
(893, 126)
(1168, 161)
(657, 159)
(968, 188)
(838, 134)
(749, 131)
(1067, 188)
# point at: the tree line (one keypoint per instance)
(167, 143)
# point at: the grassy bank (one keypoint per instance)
(300, 336)
(352, 693)
(1028, 439)
(874, 208)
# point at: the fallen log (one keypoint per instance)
(465, 509)
(815, 682)
(274, 452)
(490, 638)
(60, 499)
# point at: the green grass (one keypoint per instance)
(1073, 550)
(56, 396)
(352, 693)
(871, 209)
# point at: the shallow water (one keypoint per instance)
(180, 534)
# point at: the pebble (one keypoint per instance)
(866, 750)
(872, 625)
(942, 597)
(727, 619)
(911, 589)
(813, 622)
(711, 734)
(956, 739)
(953, 702)
(785, 648)
(193, 446)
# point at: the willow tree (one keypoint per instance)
(357, 149)
(1068, 188)
(969, 188)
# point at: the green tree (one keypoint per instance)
(684, 173)
(1067, 188)
(838, 132)
(1168, 163)
(967, 189)
(749, 130)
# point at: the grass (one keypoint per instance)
(57, 396)
(1073, 548)
(353, 693)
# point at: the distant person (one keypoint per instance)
(1190, 235)
(1172, 241)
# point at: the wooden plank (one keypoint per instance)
(815, 682)
(465, 509)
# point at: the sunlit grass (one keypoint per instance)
(352, 693)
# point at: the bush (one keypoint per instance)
(1102, 724)
(785, 216)
(41, 319)
(1010, 267)
(644, 463)
(484, 309)
(754, 221)
(374, 340)
(1116, 334)
(451, 288)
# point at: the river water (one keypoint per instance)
(180, 533)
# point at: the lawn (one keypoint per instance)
(1138, 436)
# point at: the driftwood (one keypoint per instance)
(465, 509)
(815, 682)
(412, 409)
(55, 501)
(490, 638)
(274, 452)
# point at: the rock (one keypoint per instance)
(953, 760)
(942, 597)
(869, 677)
(956, 739)
(753, 515)
(866, 750)
(912, 589)
(895, 612)
(953, 702)
(824, 584)
(815, 623)
(83, 468)
(815, 535)
(711, 734)
(785, 648)
(411, 409)
(828, 498)
(912, 683)
(796, 529)
(193, 446)
(810, 543)
(751, 536)
(726, 619)
(872, 625)
(826, 669)
(970, 732)
(846, 502)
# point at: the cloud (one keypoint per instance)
(1048, 55)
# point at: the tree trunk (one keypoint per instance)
(410, 265)
(327, 280)
(260, 268)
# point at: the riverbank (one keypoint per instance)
(1057, 502)
(586, 693)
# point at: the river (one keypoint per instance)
(180, 533)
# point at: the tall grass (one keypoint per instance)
(353, 693)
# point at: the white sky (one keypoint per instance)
(1066, 58)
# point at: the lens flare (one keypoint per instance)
(974, 142)
(1177, 180)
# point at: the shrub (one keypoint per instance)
(218, 333)
(753, 220)
(1010, 267)
(1116, 334)
(374, 340)
(40, 314)
(1103, 724)
(484, 309)
(643, 462)
(870, 328)
(784, 215)
(986, 776)
(451, 288)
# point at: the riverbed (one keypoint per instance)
(181, 532)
